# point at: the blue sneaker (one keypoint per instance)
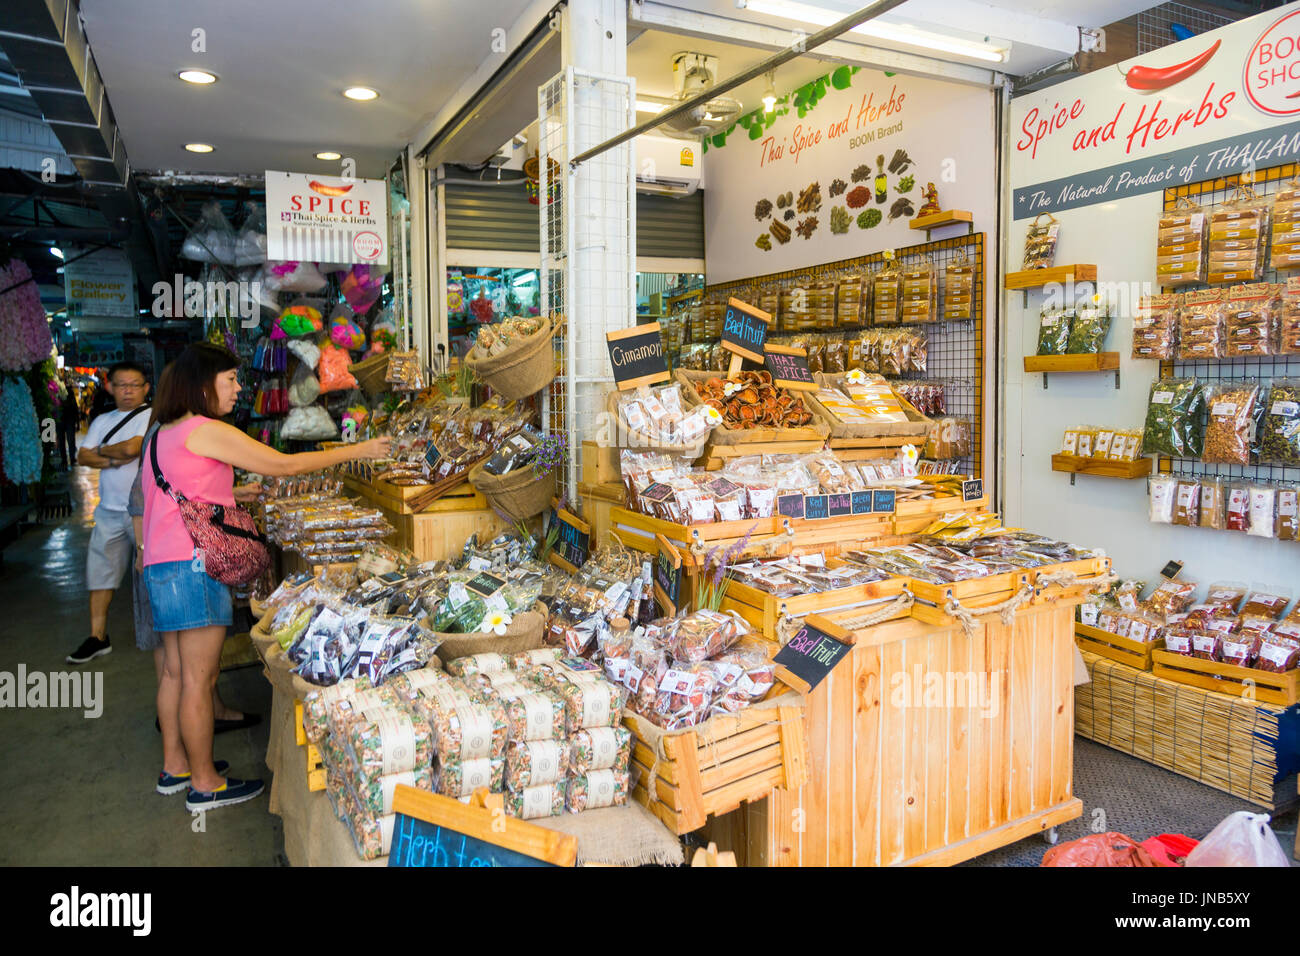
(169, 783)
(232, 791)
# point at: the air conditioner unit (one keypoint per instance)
(668, 167)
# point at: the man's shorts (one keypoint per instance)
(112, 550)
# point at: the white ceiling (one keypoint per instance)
(282, 68)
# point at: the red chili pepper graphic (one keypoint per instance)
(1291, 96)
(324, 190)
(1158, 78)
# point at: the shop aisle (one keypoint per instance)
(76, 791)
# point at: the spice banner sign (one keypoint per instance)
(326, 219)
(846, 177)
(1216, 104)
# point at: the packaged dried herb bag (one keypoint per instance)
(1173, 423)
(1228, 432)
(1280, 436)
(1088, 331)
(1054, 331)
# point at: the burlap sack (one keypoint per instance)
(522, 370)
(519, 495)
(524, 633)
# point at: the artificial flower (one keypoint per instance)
(496, 623)
(20, 435)
(24, 330)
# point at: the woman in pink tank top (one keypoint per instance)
(197, 455)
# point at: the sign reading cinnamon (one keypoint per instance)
(637, 356)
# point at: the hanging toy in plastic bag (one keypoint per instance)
(354, 417)
(334, 374)
(481, 307)
(383, 334)
(455, 298)
(300, 320)
(344, 331)
(362, 285)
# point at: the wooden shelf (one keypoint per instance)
(1037, 278)
(1093, 362)
(944, 217)
(1101, 467)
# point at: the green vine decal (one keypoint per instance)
(802, 100)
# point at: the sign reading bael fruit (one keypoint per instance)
(326, 219)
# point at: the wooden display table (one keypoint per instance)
(438, 531)
(928, 747)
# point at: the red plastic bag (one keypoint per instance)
(1169, 849)
(1099, 849)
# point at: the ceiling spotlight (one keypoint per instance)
(329, 155)
(361, 93)
(198, 147)
(769, 97)
(645, 106)
(56, 252)
(197, 77)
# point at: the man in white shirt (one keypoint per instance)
(112, 445)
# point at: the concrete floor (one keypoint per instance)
(78, 791)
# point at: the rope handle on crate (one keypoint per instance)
(1006, 610)
(1067, 579)
(786, 626)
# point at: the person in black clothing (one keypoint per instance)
(69, 422)
(103, 400)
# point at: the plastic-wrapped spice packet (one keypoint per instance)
(600, 748)
(600, 788)
(460, 778)
(535, 803)
(533, 763)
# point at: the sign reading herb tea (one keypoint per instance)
(862, 502)
(744, 331)
(430, 830)
(573, 544)
(972, 490)
(789, 367)
(637, 356)
(811, 654)
(485, 584)
(668, 576)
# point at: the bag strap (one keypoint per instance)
(123, 423)
(158, 478)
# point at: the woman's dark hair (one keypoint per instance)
(186, 385)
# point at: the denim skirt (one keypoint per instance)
(182, 596)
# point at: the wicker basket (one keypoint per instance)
(519, 495)
(372, 374)
(522, 370)
(634, 441)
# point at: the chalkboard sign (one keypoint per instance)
(485, 584)
(840, 506)
(656, 491)
(721, 487)
(1171, 570)
(744, 330)
(882, 502)
(431, 458)
(668, 576)
(637, 356)
(862, 502)
(789, 367)
(972, 490)
(815, 507)
(790, 505)
(812, 653)
(573, 546)
(430, 830)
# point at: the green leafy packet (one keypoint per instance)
(1054, 331)
(1088, 332)
(1173, 423)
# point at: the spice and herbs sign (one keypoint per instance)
(637, 356)
(430, 830)
(789, 367)
(812, 653)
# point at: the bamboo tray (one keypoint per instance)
(1228, 679)
(1135, 654)
(722, 763)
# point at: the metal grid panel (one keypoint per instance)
(956, 349)
(1153, 24)
(1210, 194)
(552, 148)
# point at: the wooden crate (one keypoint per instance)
(715, 457)
(299, 732)
(600, 464)
(638, 531)
(913, 517)
(763, 610)
(1087, 572)
(1135, 654)
(398, 498)
(722, 763)
(931, 599)
(597, 503)
(896, 780)
(1270, 688)
(1239, 746)
(315, 769)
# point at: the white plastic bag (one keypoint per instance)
(1240, 839)
(306, 351)
(303, 387)
(312, 423)
(250, 244)
(212, 239)
(292, 276)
